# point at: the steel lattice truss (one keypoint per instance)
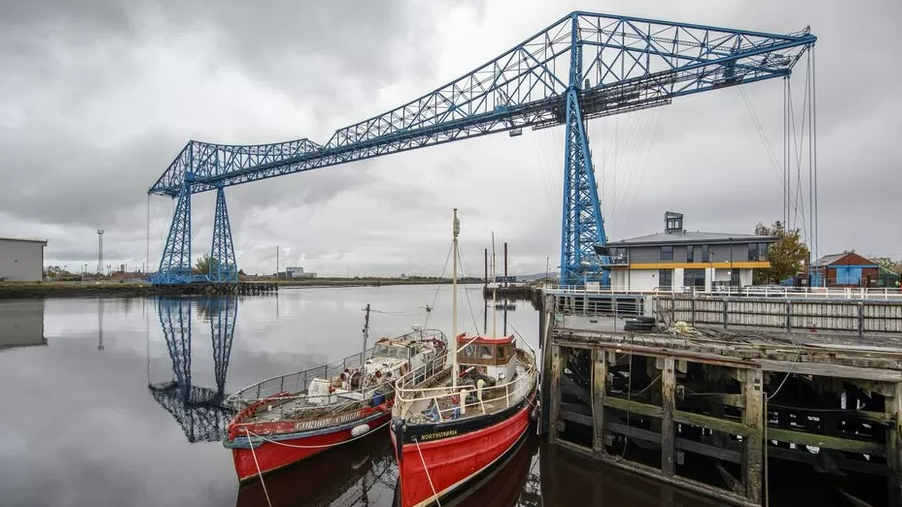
(223, 267)
(613, 64)
(198, 410)
(223, 313)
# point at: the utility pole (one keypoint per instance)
(277, 261)
(100, 252)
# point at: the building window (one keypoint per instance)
(665, 279)
(690, 253)
(694, 278)
(757, 251)
(666, 253)
(705, 255)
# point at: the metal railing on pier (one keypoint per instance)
(860, 293)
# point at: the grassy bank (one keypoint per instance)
(11, 290)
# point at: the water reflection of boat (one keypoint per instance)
(346, 476)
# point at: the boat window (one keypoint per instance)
(485, 352)
(470, 351)
(381, 350)
(501, 352)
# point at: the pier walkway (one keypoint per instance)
(725, 385)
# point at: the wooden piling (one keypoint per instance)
(599, 384)
(753, 417)
(557, 368)
(894, 446)
(668, 406)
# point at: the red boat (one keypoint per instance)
(286, 419)
(450, 426)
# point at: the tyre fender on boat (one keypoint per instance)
(360, 429)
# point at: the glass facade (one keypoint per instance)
(666, 253)
(694, 278)
(665, 279)
(757, 251)
(690, 253)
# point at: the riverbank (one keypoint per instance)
(109, 288)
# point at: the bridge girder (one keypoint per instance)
(612, 64)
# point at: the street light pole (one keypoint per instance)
(546, 268)
(731, 262)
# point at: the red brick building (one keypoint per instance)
(848, 269)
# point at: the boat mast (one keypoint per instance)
(366, 334)
(494, 286)
(455, 231)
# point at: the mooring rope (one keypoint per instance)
(429, 477)
(259, 472)
(261, 437)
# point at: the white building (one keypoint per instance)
(22, 260)
(679, 260)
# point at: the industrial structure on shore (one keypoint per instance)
(22, 260)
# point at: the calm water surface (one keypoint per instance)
(94, 411)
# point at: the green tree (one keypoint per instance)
(886, 262)
(202, 265)
(788, 256)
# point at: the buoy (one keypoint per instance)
(356, 431)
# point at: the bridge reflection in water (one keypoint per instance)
(199, 410)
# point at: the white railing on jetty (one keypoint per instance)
(297, 382)
(750, 291)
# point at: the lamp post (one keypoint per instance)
(731, 262)
(547, 259)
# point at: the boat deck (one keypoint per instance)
(495, 399)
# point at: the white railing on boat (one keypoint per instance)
(410, 389)
(297, 382)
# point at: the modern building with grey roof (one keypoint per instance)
(677, 259)
(22, 260)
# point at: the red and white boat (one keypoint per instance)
(286, 419)
(451, 425)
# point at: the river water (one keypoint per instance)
(94, 411)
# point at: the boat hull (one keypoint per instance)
(454, 452)
(257, 457)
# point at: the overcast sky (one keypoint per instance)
(97, 97)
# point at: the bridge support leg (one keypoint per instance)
(582, 227)
(175, 265)
(222, 327)
(175, 318)
(223, 268)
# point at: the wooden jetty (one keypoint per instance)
(754, 381)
